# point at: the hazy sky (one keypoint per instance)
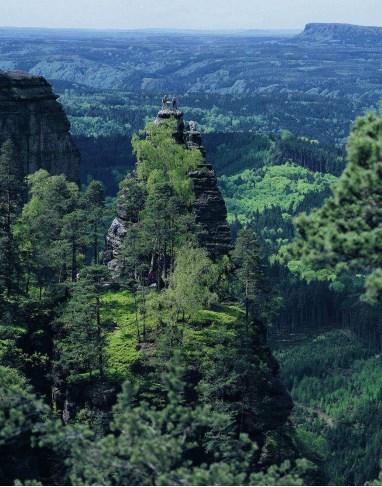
(187, 14)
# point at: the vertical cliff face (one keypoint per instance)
(209, 206)
(35, 121)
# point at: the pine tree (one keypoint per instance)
(250, 275)
(94, 204)
(171, 442)
(53, 229)
(21, 416)
(343, 237)
(80, 328)
(74, 237)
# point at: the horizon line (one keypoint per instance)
(174, 29)
(238, 30)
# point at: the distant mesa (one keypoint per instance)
(341, 33)
(35, 121)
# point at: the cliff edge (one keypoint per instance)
(342, 33)
(35, 121)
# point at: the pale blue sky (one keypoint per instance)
(187, 14)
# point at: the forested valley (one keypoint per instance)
(198, 301)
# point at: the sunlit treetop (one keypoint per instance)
(160, 159)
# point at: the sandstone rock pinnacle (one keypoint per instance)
(35, 121)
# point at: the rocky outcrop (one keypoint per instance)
(208, 207)
(35, 121)
(113, 245)
(130, 202)
(210, 212)
(342, 33)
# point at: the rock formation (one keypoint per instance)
(265, 417)
(209, 207)
(35, 121)
(126, 215)
(342, 34)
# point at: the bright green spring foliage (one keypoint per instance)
(57, 227)
(139, 315)
(122, 343)
(190, 283)
(345, 234)
(160, 160)
(53, 229)
(285, 186)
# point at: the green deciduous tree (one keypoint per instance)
(160, 159)
(191, 282)
(57, 227)
(46, 248)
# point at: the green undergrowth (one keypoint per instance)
(284, 186)
(209, 328)
(122, 343)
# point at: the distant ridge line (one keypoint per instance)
(338, 32)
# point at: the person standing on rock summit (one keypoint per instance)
(164, 102)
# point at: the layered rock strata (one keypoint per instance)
(35, 121)
(209, 207)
